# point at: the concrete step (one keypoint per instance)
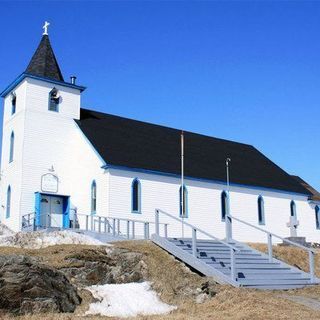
(264, 271)
(207, 246)
(219, 250)
(271, 276)
(274, 281)
(203, 243)
(206, 241)
(238, 260)
(245, 265)
(277, 287)
(218, 256)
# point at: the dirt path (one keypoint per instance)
(311, 303)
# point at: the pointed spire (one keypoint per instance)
(44, 63)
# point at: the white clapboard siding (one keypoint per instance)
(204, 206)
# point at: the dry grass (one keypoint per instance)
(169, 277)
(54, 255)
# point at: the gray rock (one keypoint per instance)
(26, 286)
(201, 298)
(96, 267)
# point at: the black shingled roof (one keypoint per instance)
(44, 63)
(315, 195)
(135, 144)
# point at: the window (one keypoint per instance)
(317, 213)
(13, 103)
(8, 208)
(183, 195)
(93, 197)
(224, 205)
(136, 196)
(54, 100)
(261, 210)
(293, 211)
(11, 151)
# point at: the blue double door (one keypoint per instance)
(52, 211)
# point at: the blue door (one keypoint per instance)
(52, 210)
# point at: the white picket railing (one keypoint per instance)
(115, 226)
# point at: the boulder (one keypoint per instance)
(26, 286)
(98, 266)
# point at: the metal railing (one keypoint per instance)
(46, 220)
(126, 228)
(271, 235)
(116, 223)
(196, 230)
(28, 221)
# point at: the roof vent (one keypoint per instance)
(73, 79)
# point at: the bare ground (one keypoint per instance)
(173, 281)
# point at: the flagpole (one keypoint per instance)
(227, 218)
(182, 184)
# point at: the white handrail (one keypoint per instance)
(270, 235)
(113, 225)
(134, 220)
(233, 249)
(273, 234)
(199, 230)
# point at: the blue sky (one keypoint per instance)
(239, 70)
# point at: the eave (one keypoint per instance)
(24, 75)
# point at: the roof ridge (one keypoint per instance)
(168, 127)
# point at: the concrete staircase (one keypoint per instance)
(253, 269)
(235, 263)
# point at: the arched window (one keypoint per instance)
(93, 197)
(8, 207)
(11, 151)
(293, 211)
(261, 219)
(317, 213)
(136, 196)
(54, 100)
(224, 205)
(183, 205)
(13, 103)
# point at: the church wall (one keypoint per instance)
(45, 139)
(307, 219)
(11, 172)
(204, 206)
(38, 98)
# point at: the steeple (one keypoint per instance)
(44, 63)
(43, 66)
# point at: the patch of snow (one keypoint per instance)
(126, 300)
(40, 239)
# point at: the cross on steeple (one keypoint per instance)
(44, 63)
(45, 28)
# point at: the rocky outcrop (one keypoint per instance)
(96, 266)
(26, 286)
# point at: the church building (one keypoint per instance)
(59, 159)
